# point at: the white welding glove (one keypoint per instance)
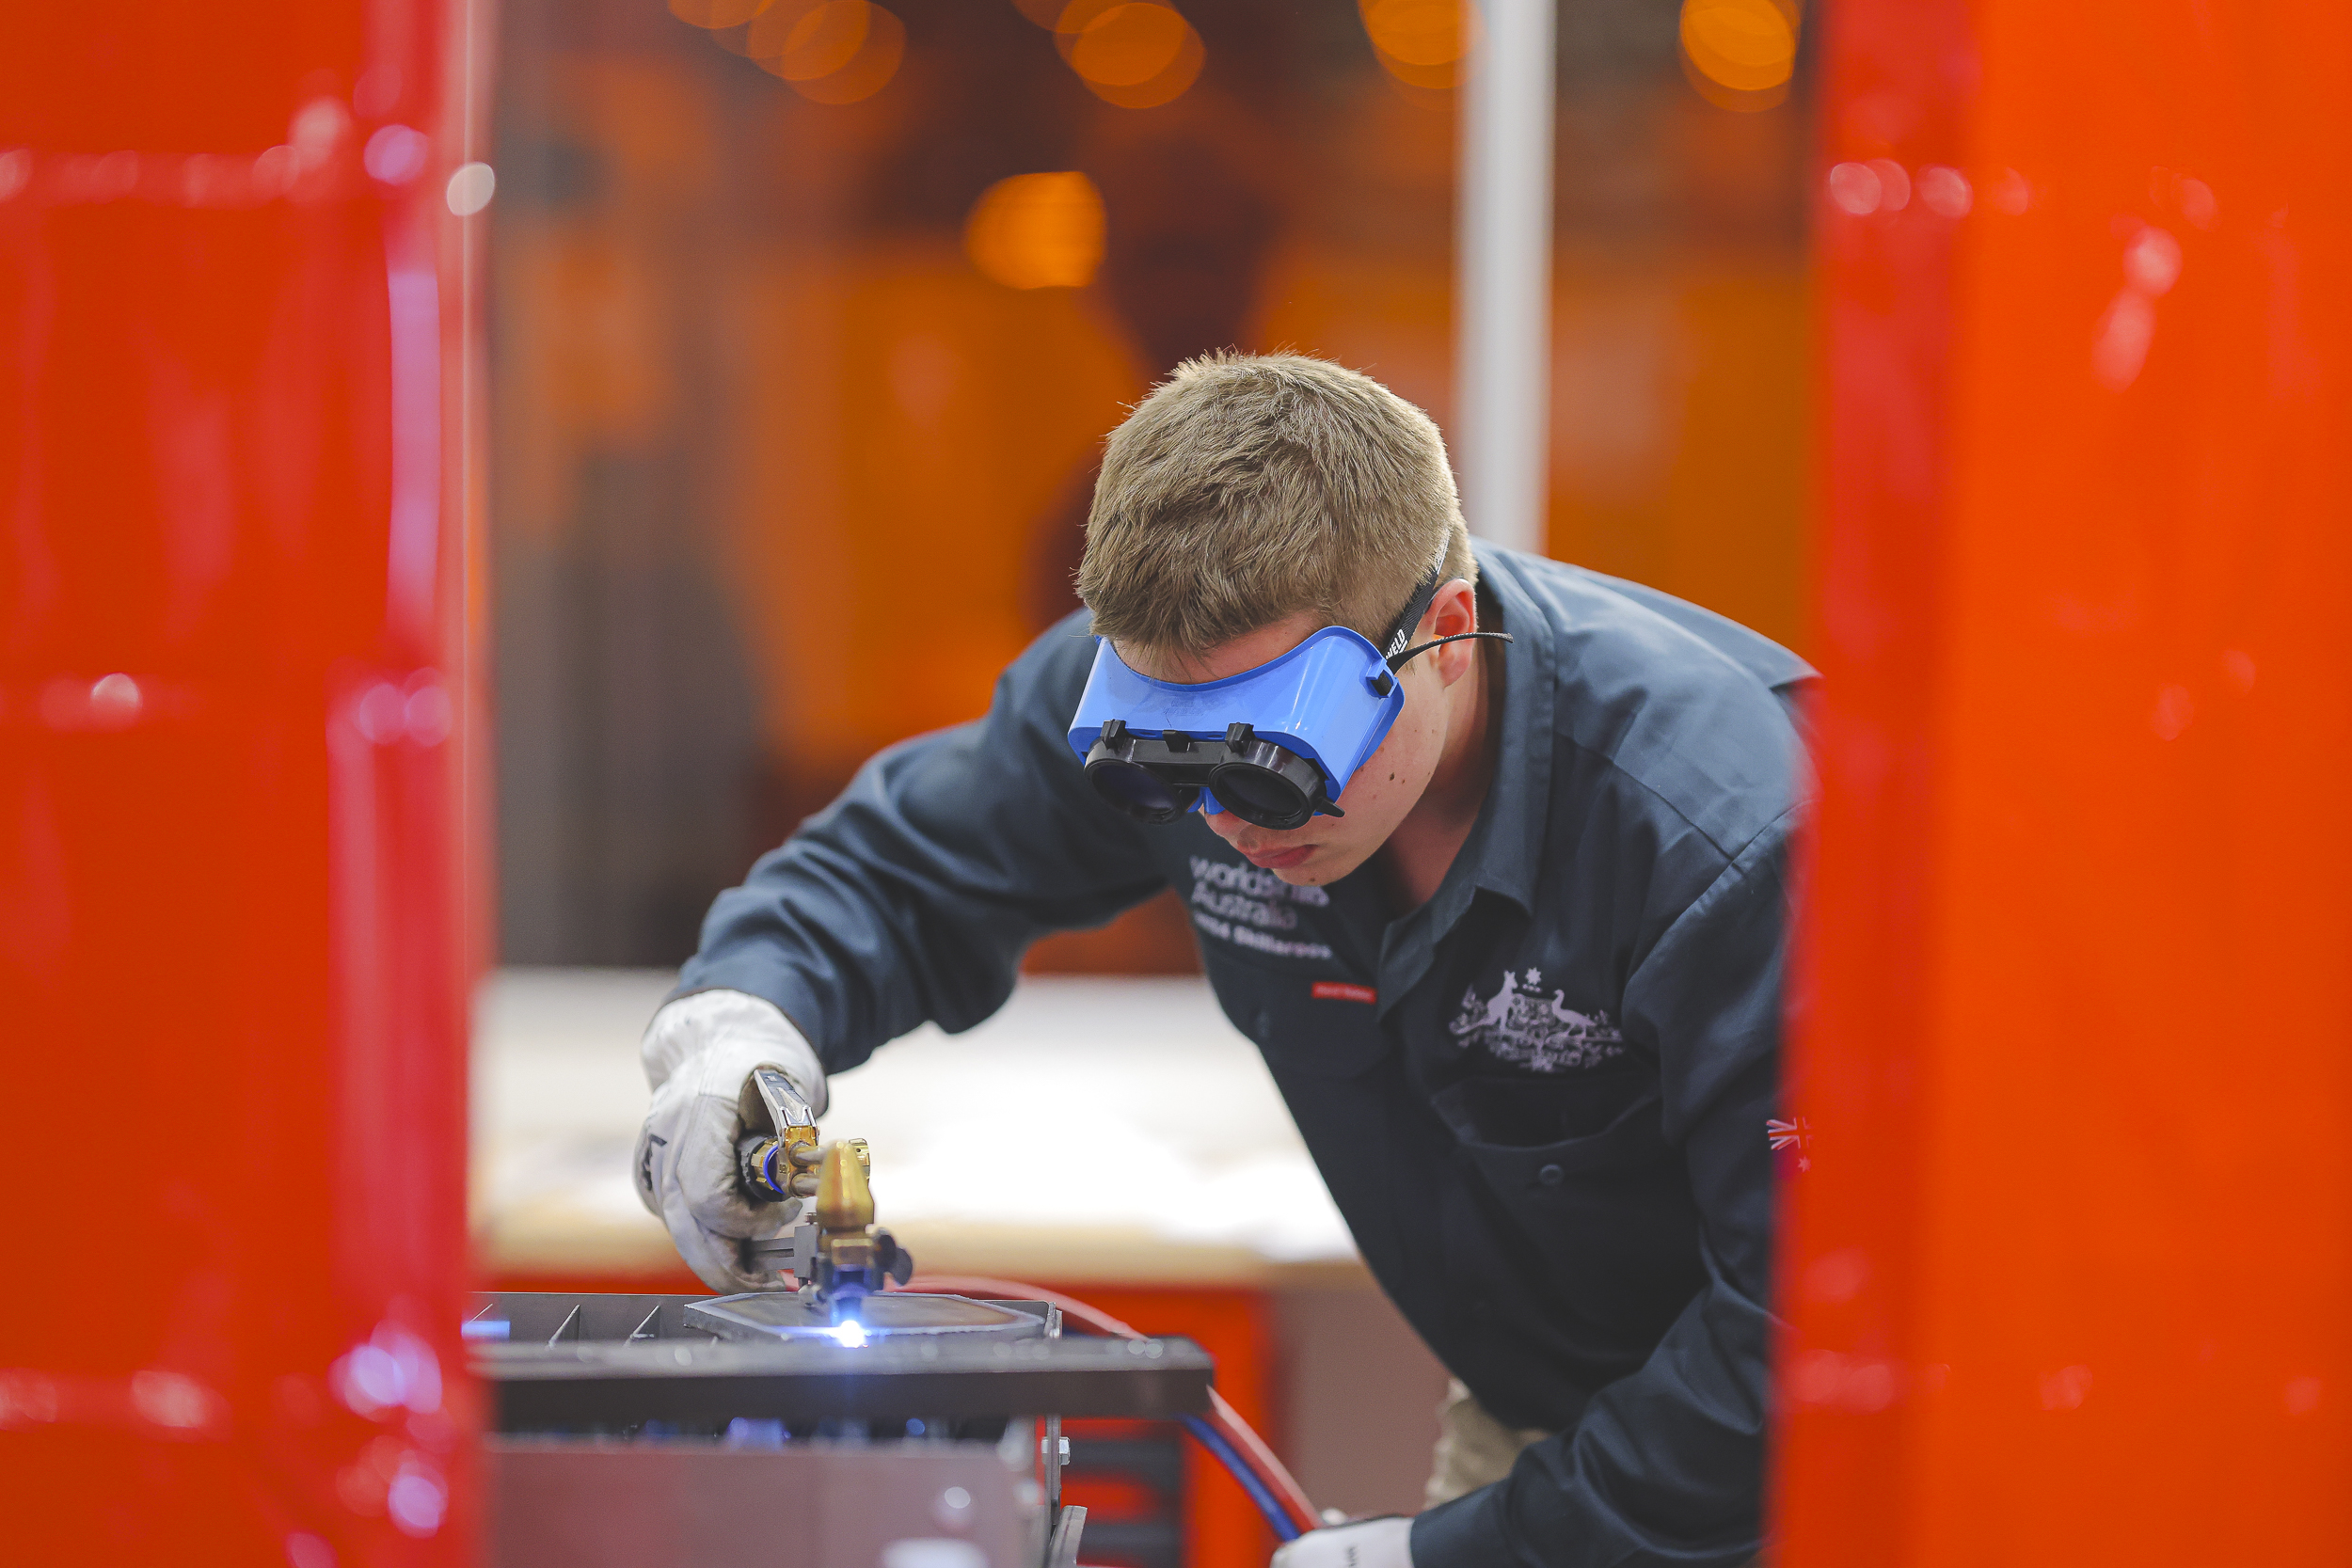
(1367, 1544)
(699, 1053)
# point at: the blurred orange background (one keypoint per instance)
(803, 350)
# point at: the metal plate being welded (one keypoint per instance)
(771, 1315)
(586, 1364)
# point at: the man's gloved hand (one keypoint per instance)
(1367, 1544)
(699, 1052)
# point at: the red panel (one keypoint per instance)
(231, 689)
(2067, 1269)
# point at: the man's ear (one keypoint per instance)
(1453, 612)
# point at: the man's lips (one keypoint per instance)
(1275, 860)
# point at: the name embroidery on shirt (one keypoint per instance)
(1242, 905)
(1530, 1028)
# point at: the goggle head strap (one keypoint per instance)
(1393, 647)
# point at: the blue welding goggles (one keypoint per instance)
(1275, 745)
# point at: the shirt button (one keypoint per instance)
(1552, 1176)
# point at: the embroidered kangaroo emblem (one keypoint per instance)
(1527, 1026)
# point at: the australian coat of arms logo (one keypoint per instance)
(1522, 1024)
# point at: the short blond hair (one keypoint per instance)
(1250, 488)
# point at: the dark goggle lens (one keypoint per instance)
(1260, 796)
(1136, 792)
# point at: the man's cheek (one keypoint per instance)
(1378, 771)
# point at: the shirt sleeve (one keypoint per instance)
(911, 898)
(1667, 1465)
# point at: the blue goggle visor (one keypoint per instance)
(1274, 745)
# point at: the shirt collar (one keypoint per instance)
(1504, 850)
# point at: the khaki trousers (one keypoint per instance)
(1473, 1449)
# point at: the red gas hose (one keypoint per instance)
(1245, 1440)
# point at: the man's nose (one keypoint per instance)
(1224, 823)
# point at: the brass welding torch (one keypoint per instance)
(776, 1165)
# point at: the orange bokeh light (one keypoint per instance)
(1132, 53)
(839, 51)
(824, 40)
(1746, 47)
(1419, 32)
(1422, 43)
(1128, 45)
(1037, 232)
(765, 39)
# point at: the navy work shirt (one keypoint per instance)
(1539, 1099)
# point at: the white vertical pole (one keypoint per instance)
(1502, 275)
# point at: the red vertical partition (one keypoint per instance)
(2069, 1256)
(232, 698)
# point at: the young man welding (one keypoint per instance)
(1487, 854)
